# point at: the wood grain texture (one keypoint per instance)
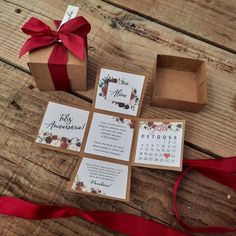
(122, 39)
(41, 175)
(210, 21)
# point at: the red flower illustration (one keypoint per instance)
(132, 96)
(104, 90)
(64, 139)
(64, 145)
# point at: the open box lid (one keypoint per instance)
(179, 83)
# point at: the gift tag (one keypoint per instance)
(63, 127)
(159, 144)
(119, 92)
(110, 136)
(101, 178)
(70, 13)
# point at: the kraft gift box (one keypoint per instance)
(76, 68)
(179, 83)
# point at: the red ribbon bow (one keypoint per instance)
(72, 35)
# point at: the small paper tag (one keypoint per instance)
(70, 13)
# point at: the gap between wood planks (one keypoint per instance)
(171, 27)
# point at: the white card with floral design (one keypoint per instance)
(110, 136)
(102, 178)
(63, 127)
(160, 143)
(119, 92)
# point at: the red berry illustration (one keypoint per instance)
(48, 139)
(80, 183)
(54, 137)
(78, 144)
(120, 104)
(93, 190)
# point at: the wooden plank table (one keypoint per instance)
(125, 34)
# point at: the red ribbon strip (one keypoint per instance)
(120, 222)
(72, 35)
(219, 170)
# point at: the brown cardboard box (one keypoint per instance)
(179, 83)
(76, 69)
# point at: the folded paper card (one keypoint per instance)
(109, 143)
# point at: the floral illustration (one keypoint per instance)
(161, 126)
(103, 85)
(122, 120)
(79, 186)
(57, 141)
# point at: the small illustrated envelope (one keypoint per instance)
(109, 138)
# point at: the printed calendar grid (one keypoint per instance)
(159, 143)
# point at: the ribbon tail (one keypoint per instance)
(57, 67)
(225, 177)
(120, 222)
(222, 177)
(26, 47)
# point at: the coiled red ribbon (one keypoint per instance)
(72, 35)
(221, 171)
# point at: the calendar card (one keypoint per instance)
(119, 92)
(101, 178)
(159, 144)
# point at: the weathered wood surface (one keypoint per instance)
(41, 175)
(210, 21)
(123, 39)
